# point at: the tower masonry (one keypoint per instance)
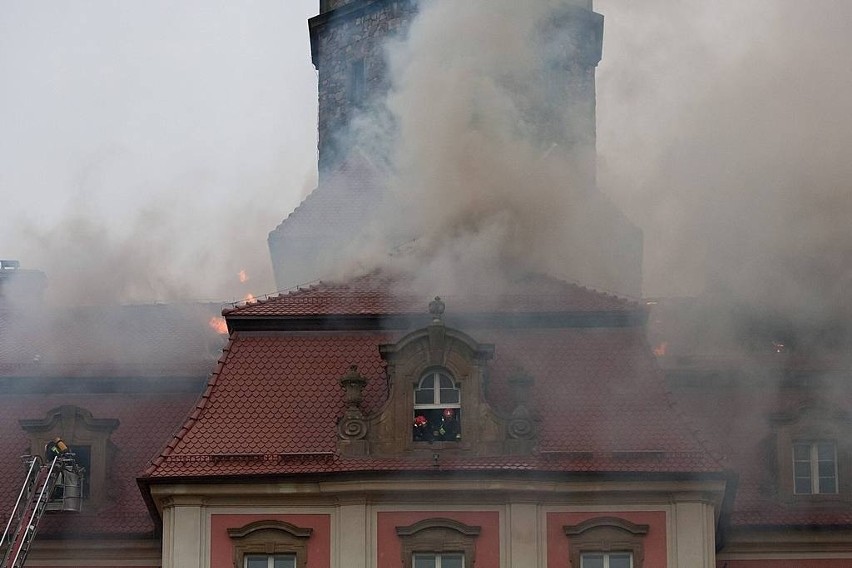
(348, 41)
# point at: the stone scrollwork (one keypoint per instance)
(352, 426)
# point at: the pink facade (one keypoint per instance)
(487, 543)
(221, 546)
(806, 563)
(654, 542)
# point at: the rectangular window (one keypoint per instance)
(606, 560)
(814, 468)
(454, 560)
(270, 561)
(357, 82)
(83, 457)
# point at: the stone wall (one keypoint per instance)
(346, 43)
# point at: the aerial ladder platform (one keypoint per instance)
(53, 484)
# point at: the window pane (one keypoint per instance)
(285, 561)
(424, 396)
(424, 561)
(826, 469)
(828, 485)
(803, 485)
(447, 382)
(619, 561)
(452, 560)
(592, 561)
(802, 452)
(825, 451)
(803, 469)
(449, 396)
(257, 561)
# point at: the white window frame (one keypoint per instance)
(435, 376)
(606, 556)
(270, 559)
(813, 462)
(438, 556)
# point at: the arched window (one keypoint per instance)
(270, 544)
(438, 543)
(437, 408)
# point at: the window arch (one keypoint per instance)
(270, 544)
(439, 542)
(437, 407)
(606, 542)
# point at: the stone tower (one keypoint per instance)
(347, 40)
(347, 49)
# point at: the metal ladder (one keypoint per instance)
(23, 522)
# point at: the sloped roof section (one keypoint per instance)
(377, 293)
(736, 419)
(272, 406)
(144, 421)
(342, 201)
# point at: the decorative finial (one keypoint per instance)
(436, 308)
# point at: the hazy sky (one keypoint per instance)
(154, 133)
(147, 148)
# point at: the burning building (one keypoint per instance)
(113, 382)
(353, 425)
(479, 412)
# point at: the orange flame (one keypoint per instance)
(660, 350)
(249, 298)
(218, 325)
(243, 276)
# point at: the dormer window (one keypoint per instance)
(437, 408)
(815, 467)
(813, 451)
(87, 437)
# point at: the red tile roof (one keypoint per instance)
(736, 420)
(144, 422)
(382, 294)
(117, 362)
(271, 406)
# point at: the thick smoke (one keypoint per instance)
(490, 168)
(161, 254)
(724, 132)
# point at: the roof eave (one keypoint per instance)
(405, 321)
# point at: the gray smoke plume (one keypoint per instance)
(489, 165)
(725, 132)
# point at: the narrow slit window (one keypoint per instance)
(357, 82)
